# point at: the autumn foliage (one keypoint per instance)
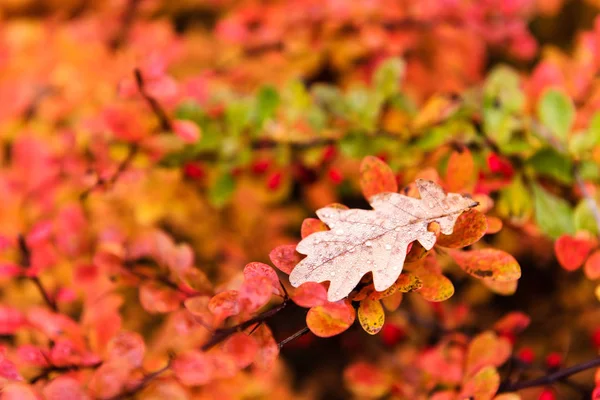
(298, 199)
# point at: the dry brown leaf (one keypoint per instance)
(362, 241)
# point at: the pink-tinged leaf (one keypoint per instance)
(366, 380)
(224, 304)
(268, 350)
(444, 362)
(285, 257)
(371, 316)
(198, 307)
(592, 266)
(127, 347)
(486, 349)
(156, 298)
(483, 385)
(376, 177)
(444, 395)
(391, 303)
(108, 380)
(196, 280)
(254, 293)
(11, 320)
(18, 391)
(572, 251)
(494, 225)
(180, 258)
(193, 368)
(330, 319)
(310, 294)
(257, 269)
(469, 228)
(64, 388)
(514, 322)
(40, 232)
(224, 365)
(30, 354)
(436, 287)
(10, 270)
(312, 225)
(8, 370)
(187, 131)
(242, 348)
(65, 352)
(492, 264)
(502, 288)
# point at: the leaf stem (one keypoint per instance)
(26, 263)
(165, 123)
(296, 335)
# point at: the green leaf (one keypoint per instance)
(589, 171)
(515, 202)
(222, 190)
(584, 218)
(553, 215)
(583, 142)
(549, 162)
(267, 101)
(557, 112)
(387, 77)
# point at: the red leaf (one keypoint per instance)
(187, 131)
(285, 257)
(376, 177)
(310, 294)
(257, 269)
(330, 319)
(64, 388)
(572, 251)
(109, 380)
(468, 229)
(156, 298)
(193, 368)
(268, 350)
(255, 293)
(514, 322)
(18, 391)
(8, 370)
(11, 319)
(242, 348)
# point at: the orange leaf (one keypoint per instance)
(502, 288)
(460, 173)
(242, 348)
(285, 257)
(376, 177)
(436, 287)
(405, 283)
(482, 386)
(268, 350)
(224, 304)
(366, 380)
(310, 294)
(371, 316)
(486, 349)
(469, 228)
(494, 225)
(156, 298)
(330, 319)
(592, 266)
(514, 322)
(572, 251)
(198, 307)
(391, 303)
(416, 252)
(490, 264)
(312, 225)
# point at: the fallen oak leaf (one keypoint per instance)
(362, 241)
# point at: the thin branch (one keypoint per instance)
(165, 123)
(549, 379)
(296, 335)
(45, 374)
(123, 166)
(125, 26)
(142, 383)
(222, 334)
(26, 263)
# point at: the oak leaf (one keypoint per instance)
(362, 241)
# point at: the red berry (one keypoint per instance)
(194, 170)
(391, 334)
(596, 338)
(547, 394)
(527, 355)
(260, 166)
(553, 360)
(274, 180)
(335, 175)
(499, 165)
(329, 153)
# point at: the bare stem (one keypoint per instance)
(296, 335)
(165, 123)
(26, 263)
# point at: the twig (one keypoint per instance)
(296, 335)
(222, 334)
(557, 376)
(160, 113)
(133, 150)
(126, 22)
(45, 374)
(26, 263)
(141, 384)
